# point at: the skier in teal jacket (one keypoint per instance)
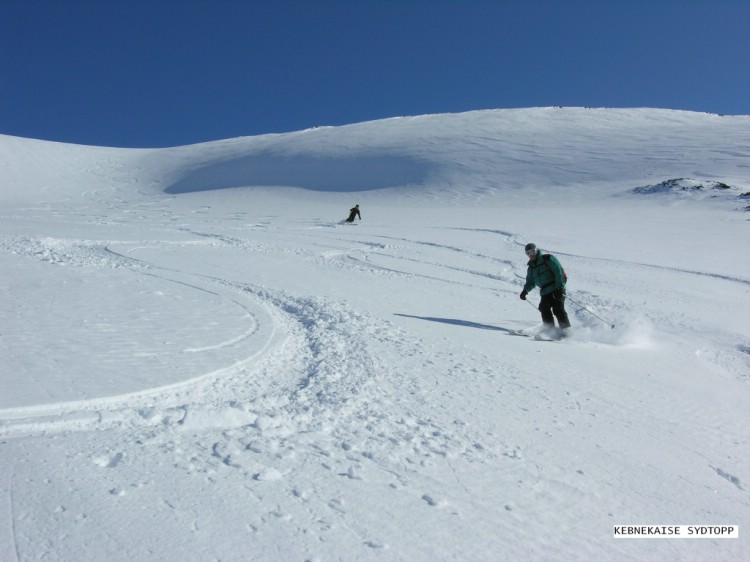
(544, 271)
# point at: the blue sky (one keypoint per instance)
(153, 73)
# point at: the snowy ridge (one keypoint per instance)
(200, 361)
(477, 155)
(467, 156)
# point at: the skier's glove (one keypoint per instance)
(558, 294)
(523, 295)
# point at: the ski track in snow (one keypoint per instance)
(325, 353)
(288, 312)
(320, 386)
(324, 344)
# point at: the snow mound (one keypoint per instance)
(683, 185)
(692, 188)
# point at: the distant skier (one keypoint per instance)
(354, 212)
(544, 271)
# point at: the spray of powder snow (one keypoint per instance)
(635, 332)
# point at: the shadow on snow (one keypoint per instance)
(456, 322)
(315, 172)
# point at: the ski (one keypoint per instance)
(544, 335)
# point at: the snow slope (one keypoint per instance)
(201, 362)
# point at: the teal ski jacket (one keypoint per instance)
(544, 272)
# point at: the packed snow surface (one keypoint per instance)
(201, 361)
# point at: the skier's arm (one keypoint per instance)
(529, 286)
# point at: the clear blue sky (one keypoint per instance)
(150, 73)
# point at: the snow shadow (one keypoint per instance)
(317, 173)
(456, 322)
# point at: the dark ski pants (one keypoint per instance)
(548, 306)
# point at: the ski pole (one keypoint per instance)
(591, 312)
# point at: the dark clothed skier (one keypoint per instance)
(354, 212)
(544, 271)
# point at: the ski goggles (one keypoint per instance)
(530, 252)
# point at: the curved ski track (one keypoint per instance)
(319, 373)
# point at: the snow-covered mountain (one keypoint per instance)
(201, 361)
